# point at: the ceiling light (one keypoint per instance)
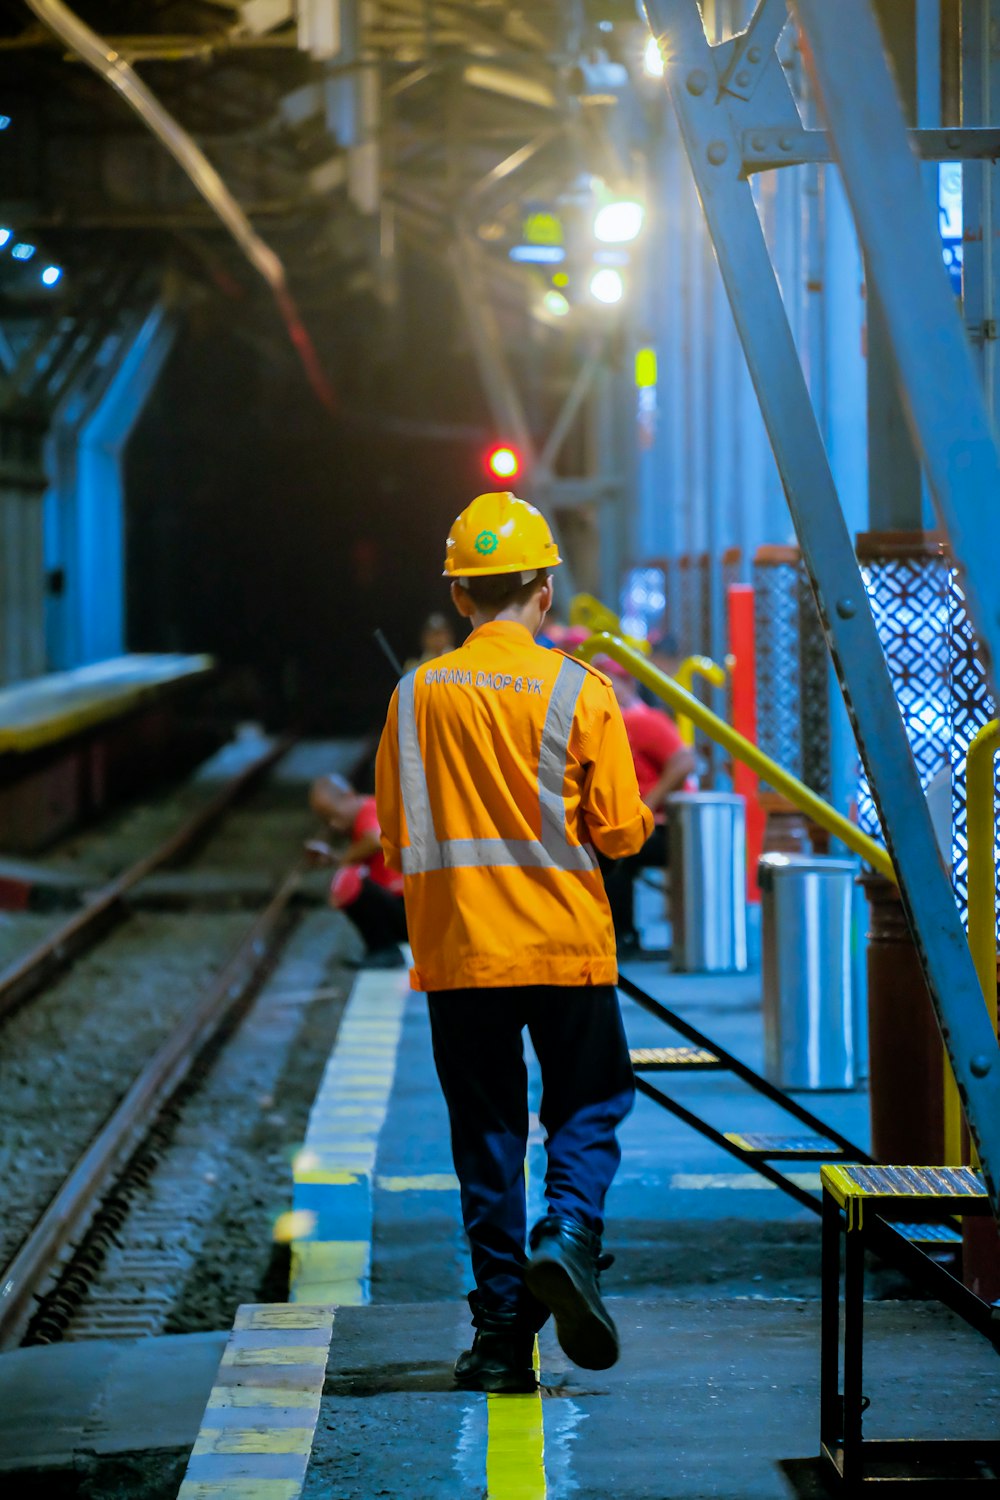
(555, 303)
(652, 59)
(607, 286)
(23, 251)
(619, 222)
(5, 236)
(51, 275)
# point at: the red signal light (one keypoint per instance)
(503, 462)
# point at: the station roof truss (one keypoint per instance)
(425, 130)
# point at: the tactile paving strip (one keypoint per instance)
(257, 1432)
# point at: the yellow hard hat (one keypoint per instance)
(498, 533)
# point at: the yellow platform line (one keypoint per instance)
(515, 1446)
(257, 1432)
(334, 1173)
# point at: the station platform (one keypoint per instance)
(346, 1390)
(73, 743)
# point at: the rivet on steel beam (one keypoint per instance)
(717, 153)
(953, 142)
(846, 609)
(785, 142)
(743, 78)
(980, 1065)
(758, 142)
(697, 82)
(753, 55)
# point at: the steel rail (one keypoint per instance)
(75, 1205)
(35, 968)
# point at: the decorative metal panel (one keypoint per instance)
(906, 576)
(643, 601)
(971, 707)
(703, 641)
(732, 568)
(776, 650)
(687, 585)
(814, 691)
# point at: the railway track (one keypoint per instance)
(46, 1249)
(75, 1205)
(108, 905)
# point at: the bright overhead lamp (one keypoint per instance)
(619, 222)
(51, 275)
(555, 303)
(23, 251)
(4, 122)
(607, 286)
(652, 59)
(5, 237)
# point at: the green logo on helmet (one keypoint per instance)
(487, 542)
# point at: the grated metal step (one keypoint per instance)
(673, 1059)
(945, 1183)
(774, 1147)
(929, 1234)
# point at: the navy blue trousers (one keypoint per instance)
(587, 1090)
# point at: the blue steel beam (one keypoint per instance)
(712, 125)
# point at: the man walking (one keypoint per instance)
(502, 767)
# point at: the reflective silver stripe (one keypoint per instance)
(424, 852)
(553, 851)
(519, 854)
(552, 757)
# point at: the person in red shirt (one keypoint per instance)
(663, 764)
(363, 888)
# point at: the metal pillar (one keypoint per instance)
(22, 578)
(85, 504)
(863, 110)
(894, 494)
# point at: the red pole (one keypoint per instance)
(744, 699)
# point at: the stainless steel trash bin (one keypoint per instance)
(708, 882)
(809, 1002)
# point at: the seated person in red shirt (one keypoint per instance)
(663, 764)
(363, 888)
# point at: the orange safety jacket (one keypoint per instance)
(501, 767)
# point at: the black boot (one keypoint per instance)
(562, 1273)
(500, 1359)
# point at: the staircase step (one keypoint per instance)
(800, 1147)
(667, 1059)
(929, 1234)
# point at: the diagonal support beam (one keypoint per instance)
(753, 47)
(501, 391)
(575, 397)
(713, 142)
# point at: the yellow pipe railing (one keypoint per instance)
(684, 702)
(981, 819)
(980, 825)
(691, 667)
(589, 612)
